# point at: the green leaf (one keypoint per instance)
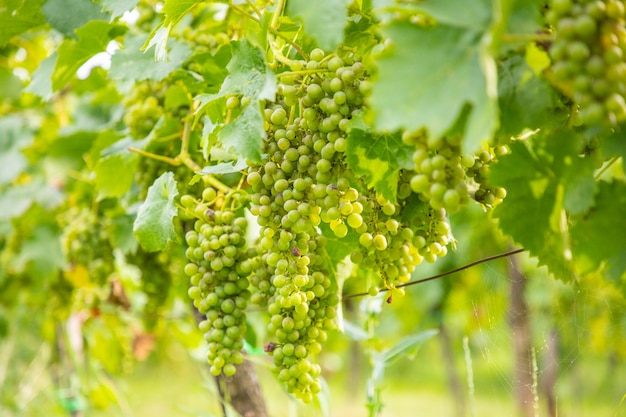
(118, 7)
(406, 344)
(18, 16)
(14, 201)
(473, 15)
(378, 157)
(15, 137)
(93, 38)
(355, 332)
(153, 227)
(41, 81)
(68, 15)
(598, 237)
(245, 133)
(324, 20)
(40, 255)
(248, 74)
(114, 174)
(224, 168)
(10, 85)
(132, 64)
(122, 236)
(525, 99)
(429, 76)
(536, 177)
(174, 10)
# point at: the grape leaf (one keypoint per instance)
(130, 63)
(10, 85)
(324, 20)
(224, 168)
(93, 38)
(68, 15)
(122, 236)
(473, 15)
(599, 236)
(114, 174)
(378, 157)
(18, 16)
(174, 10)
(524, 98)
(14, 138)
(248, 75)
(41, 81)
(533, 213)
(244, 134)
(14, 201)
(118, 7)
(40, 255)
(428, 76)
(153, 226)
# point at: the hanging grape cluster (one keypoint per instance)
(219, 285)
(589, 54)
(85, 243)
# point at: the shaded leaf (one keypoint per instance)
(41, 81)
(132, 64)
(428, 77)
(224, 168)
(93, 38)
(324, 20)
(598, 237)
(68, 15)
(378, 157)
(153, 226)
(15, 137)
(473, 15)
(118, 7)
(406, 344)
(114, 174)
(18, 16)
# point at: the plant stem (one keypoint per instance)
(527, 37)
(604, 168)
(166, 159)
(443, 274)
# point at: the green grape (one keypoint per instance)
(218, 268)
(588, 57)
(85, 243)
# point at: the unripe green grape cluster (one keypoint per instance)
(439, 173)
(589, 57)
(157, 270)
(85, 242)
(219, 286)
(478, 170)
(144, 107)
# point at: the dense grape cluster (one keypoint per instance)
(478, 170)
(85, 243)
(439, 172)
(306, 185)
(589, 55)
(144, 107)
(156, 281)
(219, 285)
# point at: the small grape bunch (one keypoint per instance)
(589, 57)
(219, 286)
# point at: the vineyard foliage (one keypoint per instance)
(260, 153)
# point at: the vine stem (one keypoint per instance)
(443, 274)
(527, 37)
(605, 168)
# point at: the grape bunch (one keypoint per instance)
(478, 170)
(219, 286)
(439, 172)
(144, 107)
(156, 282)
(589, 57)
(85, 243)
